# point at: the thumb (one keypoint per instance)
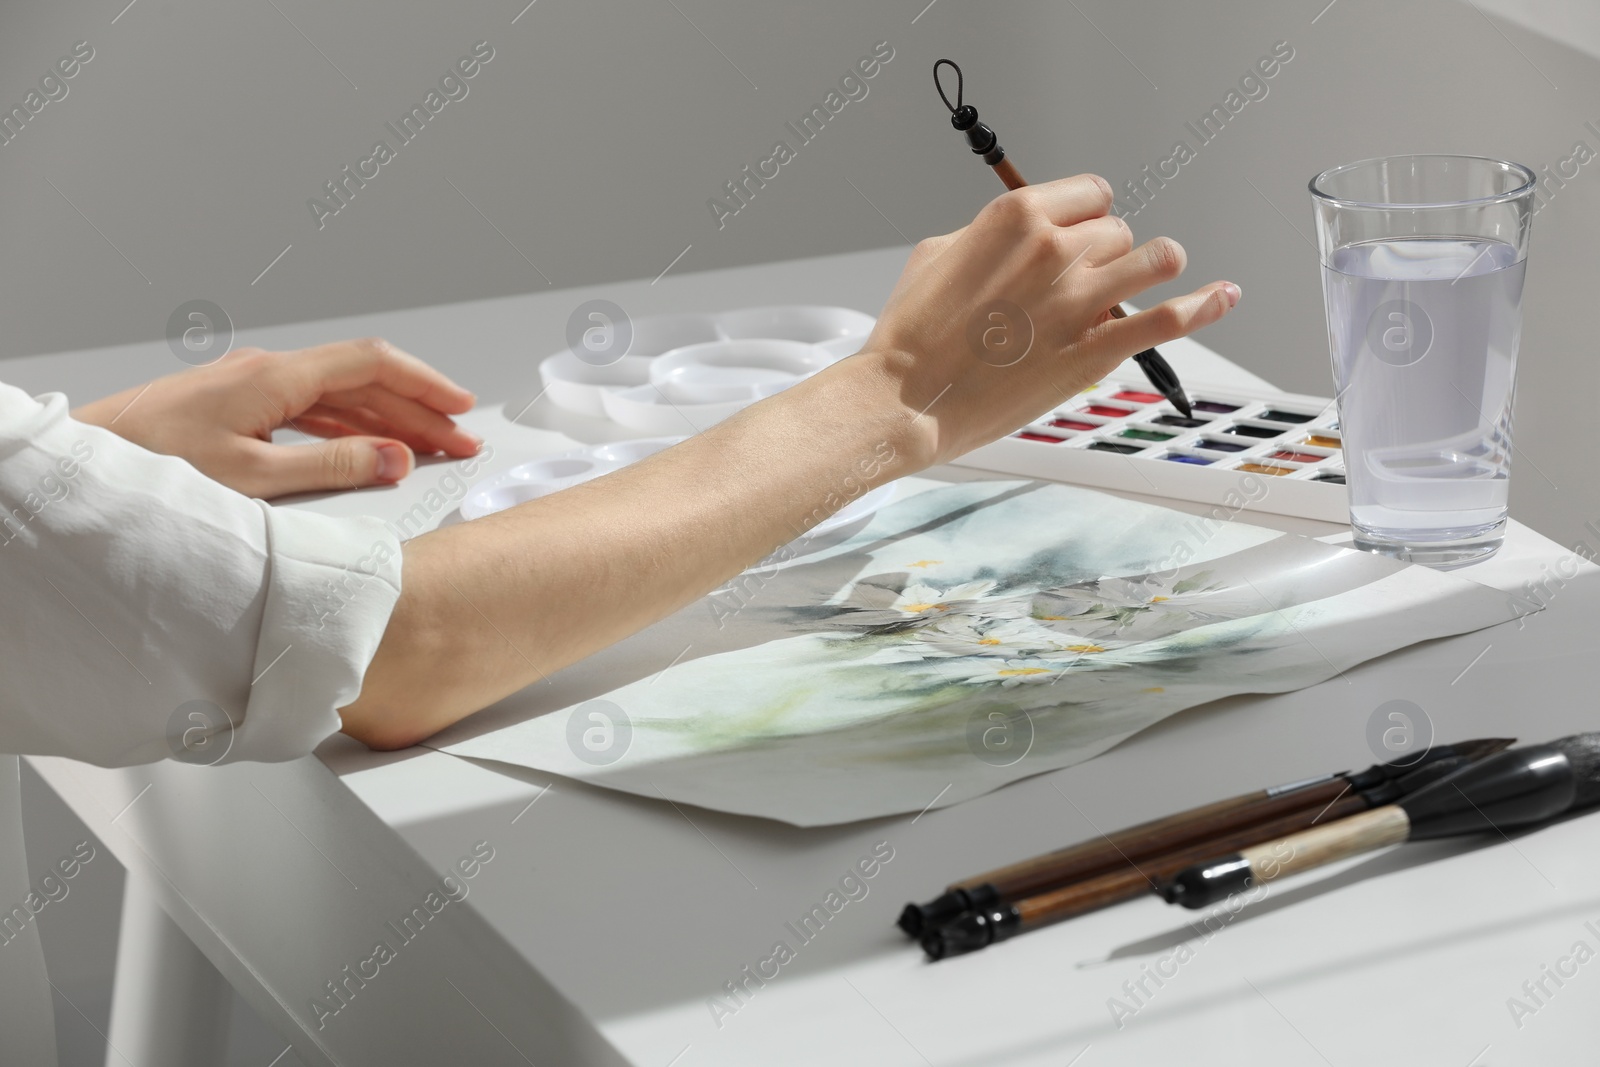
(352, 462)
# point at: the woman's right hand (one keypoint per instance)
(1007, 318)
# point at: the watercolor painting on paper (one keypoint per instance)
(967, 636)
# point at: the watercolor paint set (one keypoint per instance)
(1278, 453)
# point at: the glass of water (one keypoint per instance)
(1422, 265)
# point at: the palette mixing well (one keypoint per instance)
(1278, 453)
(684, 372)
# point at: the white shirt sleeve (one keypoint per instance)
(147, 611)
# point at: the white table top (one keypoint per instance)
(636, 912)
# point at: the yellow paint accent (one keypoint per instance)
(1085, 648)
(989, 641)
(925, 563)
(1158, 599)
(916, 609)
(1025, 670)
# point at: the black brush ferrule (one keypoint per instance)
(980, 138)
(1513, 788)
(1207, 883)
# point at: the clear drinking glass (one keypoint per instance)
(1422, 265)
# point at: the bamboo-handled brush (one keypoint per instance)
(1136, 847)
(1514, 788)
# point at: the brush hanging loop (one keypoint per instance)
(964, 117)
(960, 83)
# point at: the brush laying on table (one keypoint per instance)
(1003, 921)
(1515, 788)
(1269, 813)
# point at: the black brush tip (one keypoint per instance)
(1481, 747)
(1429, 773)
(1165, 379)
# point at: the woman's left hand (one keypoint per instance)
(375, 405)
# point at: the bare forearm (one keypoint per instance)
(491, 606)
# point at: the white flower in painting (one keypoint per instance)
(876, 607)
(1001, 636)
(919, 599)
(1130, 609)
(1028, 668)
(1010, 672)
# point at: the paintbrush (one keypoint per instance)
(1003, 921)
(1515, 788)
(985, 143)
(1126, 849)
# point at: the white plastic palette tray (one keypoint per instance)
(1277, 453)
(689, 371)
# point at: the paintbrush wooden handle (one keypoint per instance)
(977, 929)
(1367, 832)
(1201, 836)
(1110, 888)
(1127, 848)
(1157, 837)
(1008, 174)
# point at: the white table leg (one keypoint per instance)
(169, 1006)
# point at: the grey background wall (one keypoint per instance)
(180, 162)
(182, 159)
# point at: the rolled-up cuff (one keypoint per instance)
(332, 587)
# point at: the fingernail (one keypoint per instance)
(1233, 293)
(394, 460)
